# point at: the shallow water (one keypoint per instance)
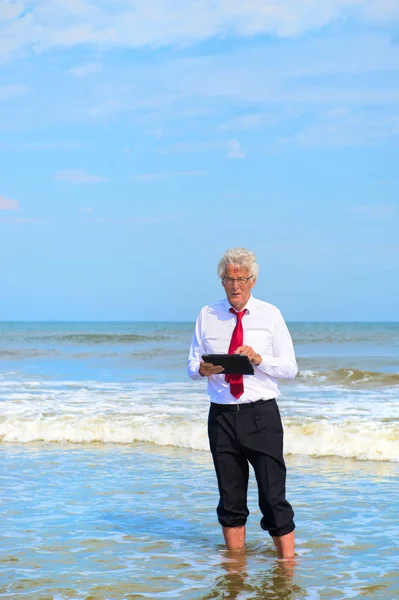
(107, 489)
(112, 522)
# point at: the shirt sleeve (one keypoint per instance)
(196, 351)
(282, 365)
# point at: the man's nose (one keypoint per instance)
(235, 284)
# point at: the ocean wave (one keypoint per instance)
(24, 353)
(351, 439)
(318, 420)
(99, 338)
(29, 353)
(354, 439)
(349, 377)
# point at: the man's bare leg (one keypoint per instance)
(285, 545)
(234, 538)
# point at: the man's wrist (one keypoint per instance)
(199, 370)
(258, 359)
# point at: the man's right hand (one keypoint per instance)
(207, 369)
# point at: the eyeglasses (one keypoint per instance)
(240, 280)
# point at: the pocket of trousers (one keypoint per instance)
(213, 427)
(267, 416)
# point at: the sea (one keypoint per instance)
(107, 488)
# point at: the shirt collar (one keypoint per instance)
(248, 307)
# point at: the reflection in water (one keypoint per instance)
(275, 582)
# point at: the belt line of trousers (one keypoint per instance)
(237, 438)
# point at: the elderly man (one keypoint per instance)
(244, 423)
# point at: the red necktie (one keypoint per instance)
(237, 340)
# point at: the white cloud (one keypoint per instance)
(145, 177)
(347, 129)
(12, 91)
(375, 211)
(306, 73)
(39, 146)
(9, 11)
(25, 220)
(7, 204)
(78, 176)
(86, 209)
(247, 121)
(250, 87)
(43, 25)
(134, 220)
(235, 150)
(337, 113)
(82, 71)
(157, 133)
(191, 147)
(232, 148)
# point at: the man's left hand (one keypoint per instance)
(255, 358)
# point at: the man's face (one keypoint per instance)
(237, 293)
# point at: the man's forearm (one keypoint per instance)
(193, 370)
(279, 368)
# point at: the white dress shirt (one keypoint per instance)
(264, 330)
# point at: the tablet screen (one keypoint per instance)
(233, 364)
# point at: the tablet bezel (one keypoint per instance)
(233, 364)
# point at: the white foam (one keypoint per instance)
(352, 439)
(163, 431)
(357, 424)
(349, 439)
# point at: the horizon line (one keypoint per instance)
(175, 321)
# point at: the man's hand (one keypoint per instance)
(207, 369)
(255, 358)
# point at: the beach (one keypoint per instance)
(108, 488)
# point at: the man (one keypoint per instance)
(244, 423)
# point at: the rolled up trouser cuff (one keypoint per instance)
(281, 530)
(232, 522)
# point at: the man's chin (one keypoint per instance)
(236, 300)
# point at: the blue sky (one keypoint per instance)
(139, 139)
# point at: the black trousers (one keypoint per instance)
(253, 434)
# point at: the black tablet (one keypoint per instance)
(233, 364)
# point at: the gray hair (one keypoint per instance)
(242, 258)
